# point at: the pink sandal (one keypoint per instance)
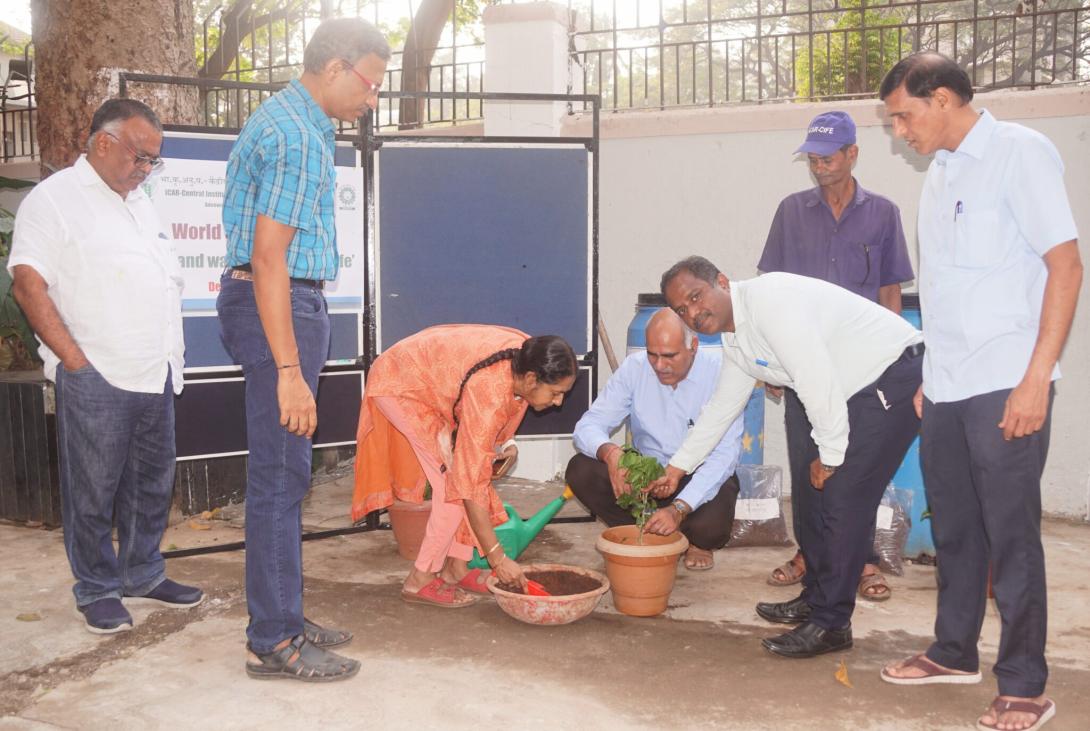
(439, 593)
(474, 582)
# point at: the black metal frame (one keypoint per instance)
(368, 143)
(371, 142)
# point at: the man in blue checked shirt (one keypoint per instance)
(661, 392)
(281, 248)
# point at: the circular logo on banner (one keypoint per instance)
(346, 194)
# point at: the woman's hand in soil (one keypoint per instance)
(663, 521)
(509, 572)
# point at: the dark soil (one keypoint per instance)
(557, 583)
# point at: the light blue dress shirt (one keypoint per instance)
(989, 211)
(660, 418)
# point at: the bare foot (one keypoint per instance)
(1011, 720)
(699, 559)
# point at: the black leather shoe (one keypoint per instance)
(809, 640)
(795, 611)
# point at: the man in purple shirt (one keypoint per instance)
(851, 237)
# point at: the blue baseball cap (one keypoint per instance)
(828, 132)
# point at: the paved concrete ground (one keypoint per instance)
(699, 666)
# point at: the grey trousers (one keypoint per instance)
(985, 499)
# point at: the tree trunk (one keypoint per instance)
(81, 45)
(428, 23)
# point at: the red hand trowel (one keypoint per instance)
(533, 588)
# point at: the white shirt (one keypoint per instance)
(661, 417)
(988, 212)
(819, 339)
(113, 275)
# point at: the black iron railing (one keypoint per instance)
(674, 53)
(18, 115)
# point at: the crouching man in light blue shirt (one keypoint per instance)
(661, 392)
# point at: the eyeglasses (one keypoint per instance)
(372, 88)
(153, 164)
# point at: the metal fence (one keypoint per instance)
(18, 115)
(270, 50)
(676, 53)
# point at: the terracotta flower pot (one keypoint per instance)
(548, 610)
(409, 521)
(641, 576)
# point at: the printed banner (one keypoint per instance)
(188, 196)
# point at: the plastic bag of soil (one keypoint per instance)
(758, 517)
(892, 524)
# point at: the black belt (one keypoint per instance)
(913, 351)
(248, 269)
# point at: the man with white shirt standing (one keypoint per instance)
(1000, 273)
(100, 284)
(855, 367)
(660, 392)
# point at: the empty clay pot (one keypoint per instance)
(641, 576)
(560, 609)
(408, 522)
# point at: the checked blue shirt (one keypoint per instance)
(281, 166)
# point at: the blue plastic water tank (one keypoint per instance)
(909, 475)
(753, 438)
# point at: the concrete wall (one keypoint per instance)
(708, 182)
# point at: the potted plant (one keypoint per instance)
(641, 567)
(409, 521)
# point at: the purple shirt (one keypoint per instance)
(863, 251)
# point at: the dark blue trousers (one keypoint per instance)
(985, 499)
(116, 468)
(837, 542)
(278, 468)
(801, 451)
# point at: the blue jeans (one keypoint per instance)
(278, 471)
(116, 463)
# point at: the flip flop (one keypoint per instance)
(709, 567)
(935, 674)
(474, 582)
(439, 593)
(874, 587)
(791, 571)
(1044, 712)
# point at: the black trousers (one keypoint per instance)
(985, 499)
(707, 527)
(801, 451)
(882, 424)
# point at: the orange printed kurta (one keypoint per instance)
(423, 372)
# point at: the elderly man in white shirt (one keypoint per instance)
(100, 284)
(856, 367)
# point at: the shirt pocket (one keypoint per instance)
(976, 238)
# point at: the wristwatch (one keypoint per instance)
(829, 469)
(681, 508)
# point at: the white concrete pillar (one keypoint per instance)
(526, 52)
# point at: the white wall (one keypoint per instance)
(708, 182)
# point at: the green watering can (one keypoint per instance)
(516, 534)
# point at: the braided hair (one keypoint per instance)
(549, 357)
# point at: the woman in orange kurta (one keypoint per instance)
(441, 404)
